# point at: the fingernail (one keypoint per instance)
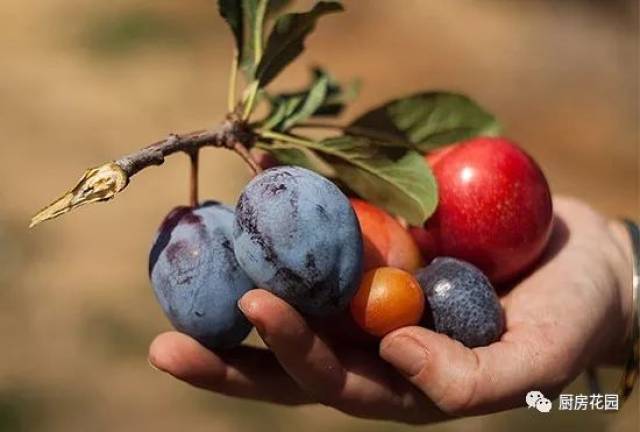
(241, 306)
(150, 363)
(404, 353)
(246, 307)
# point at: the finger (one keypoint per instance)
(244, 371)
(436, 364)
(342, 330)
(351, 380)
(306, 357)
(466, 381)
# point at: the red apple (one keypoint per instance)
(386, 242)
(494, 211)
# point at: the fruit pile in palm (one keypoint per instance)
(409, 215)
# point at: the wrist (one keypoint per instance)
(621, 262)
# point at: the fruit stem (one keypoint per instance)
(193, 182)
(242, 151)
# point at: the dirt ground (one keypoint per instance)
(82, 82)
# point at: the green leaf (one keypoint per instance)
(428, 120)
(246, 19)
(396, 179)
(275, 6)
(287, 38)
(255, 12)
(279, 110)
(337, 97)
(283, 107)
(312, 101)
(231, 11)
(324, 97)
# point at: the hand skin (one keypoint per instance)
(570, 313)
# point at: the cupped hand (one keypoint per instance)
(570, 313)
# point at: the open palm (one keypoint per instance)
(568, 314)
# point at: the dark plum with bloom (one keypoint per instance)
(463, 304)
(297, 236)
(196, 277)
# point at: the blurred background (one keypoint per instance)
(82, 82)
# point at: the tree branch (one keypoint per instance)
(104, 182)
(155, 153)
(232, 134)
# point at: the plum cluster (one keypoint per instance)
(293, 232)
(296, 234)
(455, 297)
(493, 221)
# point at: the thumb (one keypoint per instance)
(444, 369)
(485, 379)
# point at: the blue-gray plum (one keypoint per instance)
(462, 302)
(196, 277)
(296, 235)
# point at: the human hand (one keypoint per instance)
(570, 313)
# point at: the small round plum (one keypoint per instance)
(462, 302)
(296, 235)
(196, 277)
(386, 242)
(388, 298)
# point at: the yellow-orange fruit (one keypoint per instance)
(386, 242)
(387, 299)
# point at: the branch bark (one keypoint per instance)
(230, 134)
(105, 181)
